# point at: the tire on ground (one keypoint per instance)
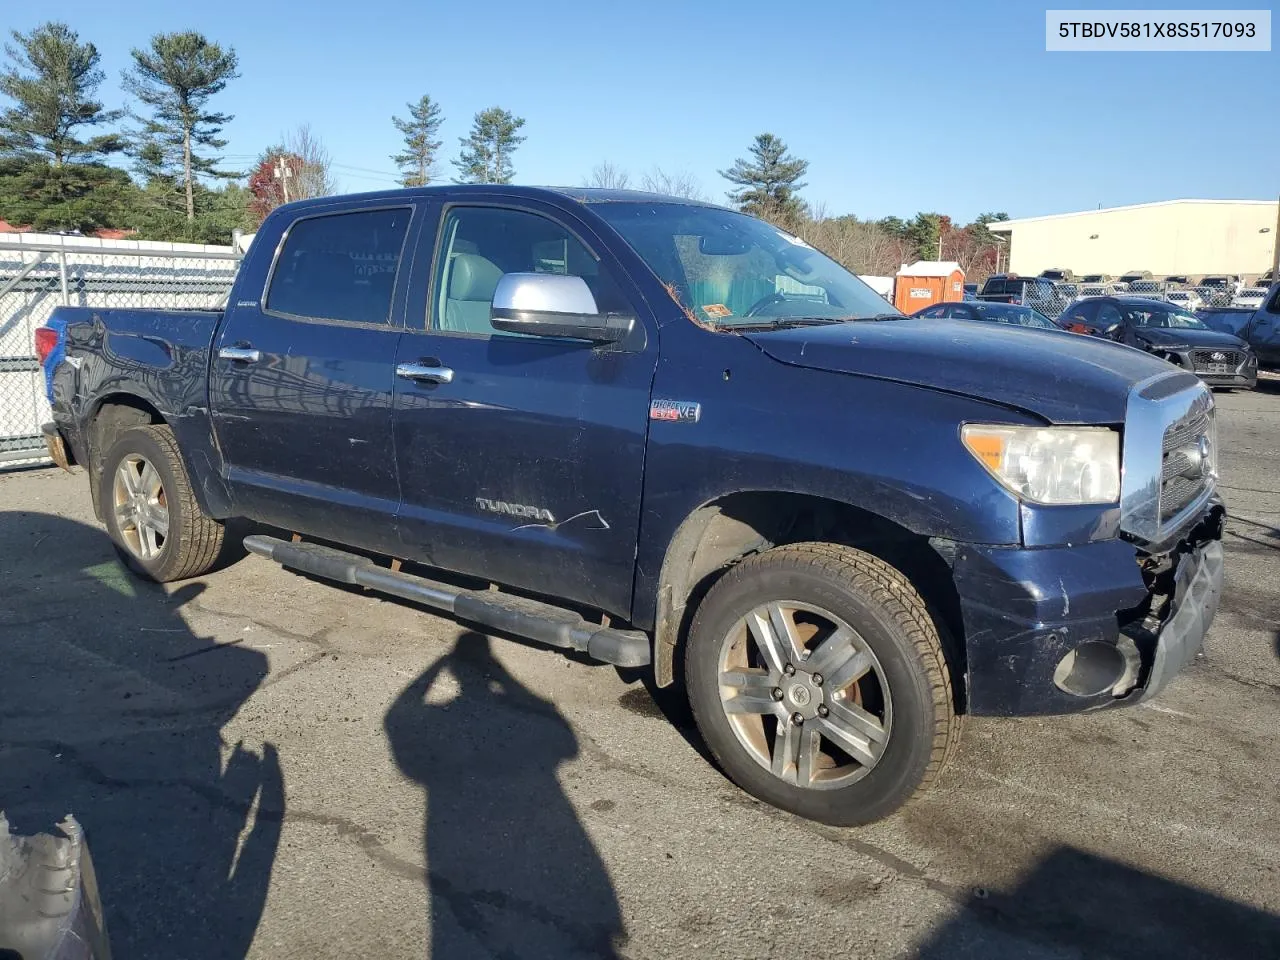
(878, 602)
(194, 542)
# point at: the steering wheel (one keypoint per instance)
(764, 302)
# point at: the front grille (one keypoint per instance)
(1203, 359)
(1188, 460)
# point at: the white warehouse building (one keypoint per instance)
(1171, 237)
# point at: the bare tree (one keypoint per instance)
(861, 246)
(313, 177)
(604, 174)
(973, 247)
(679, 183)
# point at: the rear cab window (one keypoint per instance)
(340, 266)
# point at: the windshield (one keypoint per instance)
(733, 270)
(1155, 317)
(1008, 313)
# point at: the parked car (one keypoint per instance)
(1219, 291)
(1250, 298)
(1260, 327)
(1169, 332)
(1104, 289)
(1096, 278)
(970, 291)
(1133, 276)
(1223, 281)
(1058, 274)
(1019, 316)
(1188, 300)
(1011, 288)
(653, 411)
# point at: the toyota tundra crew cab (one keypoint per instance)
(665, 434)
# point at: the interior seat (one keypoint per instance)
(469, 293)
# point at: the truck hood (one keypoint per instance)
(1061, 377)
(1162, 338)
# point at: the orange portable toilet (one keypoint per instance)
(926, 282)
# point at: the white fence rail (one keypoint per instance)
(41, 272)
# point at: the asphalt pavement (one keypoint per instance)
(268, 766)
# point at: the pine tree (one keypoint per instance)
(51, 170)
(925, 232)
(417, 162)
(769, 182)
(486, 154)
(52, 81)
(176, 77)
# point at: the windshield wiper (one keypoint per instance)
(784, 323)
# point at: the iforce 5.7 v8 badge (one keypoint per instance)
(676, 411)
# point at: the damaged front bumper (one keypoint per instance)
(49, 903)
(1066, 629)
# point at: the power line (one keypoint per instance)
(347, 166)
(366, 176)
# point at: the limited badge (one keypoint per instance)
(676, 411)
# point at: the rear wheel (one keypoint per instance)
(817, 678)
(150, 512)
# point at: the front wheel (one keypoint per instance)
(817, 678)
(153, 518)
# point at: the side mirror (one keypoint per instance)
(1111, 330)
(554, 305)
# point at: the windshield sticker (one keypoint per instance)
(717, 311)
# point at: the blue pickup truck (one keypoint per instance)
(668, 435)
(1260, 327)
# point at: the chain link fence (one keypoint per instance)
(39, 273)
(1053, 299)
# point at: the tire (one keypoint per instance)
(885, 735)
(191, 542)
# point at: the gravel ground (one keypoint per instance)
(271, 767)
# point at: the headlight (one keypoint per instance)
(1050, 464)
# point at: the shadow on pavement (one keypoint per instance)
(112, 709)
(1075, 904)
(510, 869)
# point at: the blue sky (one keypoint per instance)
(954, 107)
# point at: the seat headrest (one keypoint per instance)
(473, 277)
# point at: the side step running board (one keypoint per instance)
(502, 611)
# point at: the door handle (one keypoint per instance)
(423, 372)
(240, 354)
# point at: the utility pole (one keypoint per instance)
(282, 173)
(1275, 247)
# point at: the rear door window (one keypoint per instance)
(340, 266)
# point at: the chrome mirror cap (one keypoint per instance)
(543, 293)
(555, 305)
